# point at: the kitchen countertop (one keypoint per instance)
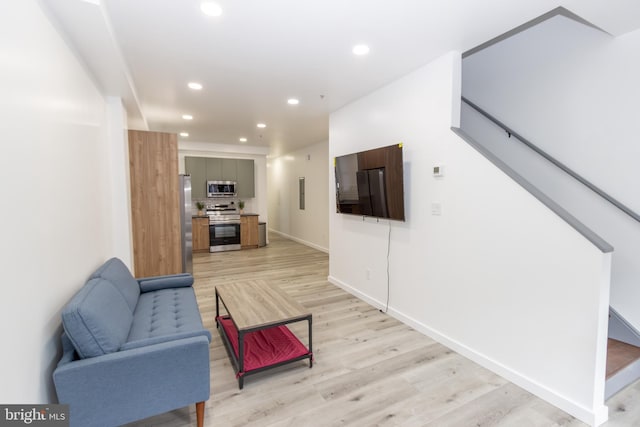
(249, 214)
(199, 216)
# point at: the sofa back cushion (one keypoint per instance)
(97, 320)
(119, 275)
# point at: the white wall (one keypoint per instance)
(498, 276)
(573, 91)
(311, 225)
(118, 155)
(55, 182)
(258, 204)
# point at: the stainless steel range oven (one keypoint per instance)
(224, 228)
(224, 237)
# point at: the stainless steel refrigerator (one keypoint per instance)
(372, 196)
(185, 224)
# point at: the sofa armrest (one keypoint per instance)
(149, 284)
(129, 385)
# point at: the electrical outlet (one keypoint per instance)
(367, 274)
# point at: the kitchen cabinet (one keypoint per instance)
(153, 170)
(246, 181)
(203, 169)
(200, 229)
(220, 169)
(249, 231)
(197, 168)
(213, 169)
(229, 169)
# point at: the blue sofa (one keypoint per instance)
(132, 348)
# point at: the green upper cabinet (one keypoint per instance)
(246, 181)
(197, 168)
(203, 169)
(214, 169)
(229, 170)
(221, 169)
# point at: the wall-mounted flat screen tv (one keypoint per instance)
(370, 183)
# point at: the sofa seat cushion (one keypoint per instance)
(165, 314)
(97, 320)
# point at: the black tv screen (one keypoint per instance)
(370, 183)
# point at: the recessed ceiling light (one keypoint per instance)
(185, 134)
(243, 139)
(360, 49)
(261, 125)
(293, 101)
(210, 8)
(194, 86)
(187, 116)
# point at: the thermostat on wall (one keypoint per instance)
(438, 170)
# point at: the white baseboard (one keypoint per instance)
(593, 417)
(353, 291)
(303, 242)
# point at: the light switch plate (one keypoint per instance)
(436, 208)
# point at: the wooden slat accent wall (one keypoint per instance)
(155, 200)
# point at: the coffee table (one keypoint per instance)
(254, 330)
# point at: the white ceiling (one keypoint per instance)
(259, 53)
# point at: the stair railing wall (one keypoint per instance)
(554, 161)
(588, 208)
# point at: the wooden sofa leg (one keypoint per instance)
(200, 414)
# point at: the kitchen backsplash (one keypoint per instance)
(211, 202)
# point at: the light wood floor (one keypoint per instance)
(369, 370)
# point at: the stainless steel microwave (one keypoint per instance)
(222, 188)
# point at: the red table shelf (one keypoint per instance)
(266, 347)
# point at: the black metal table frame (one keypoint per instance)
(238, 361)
